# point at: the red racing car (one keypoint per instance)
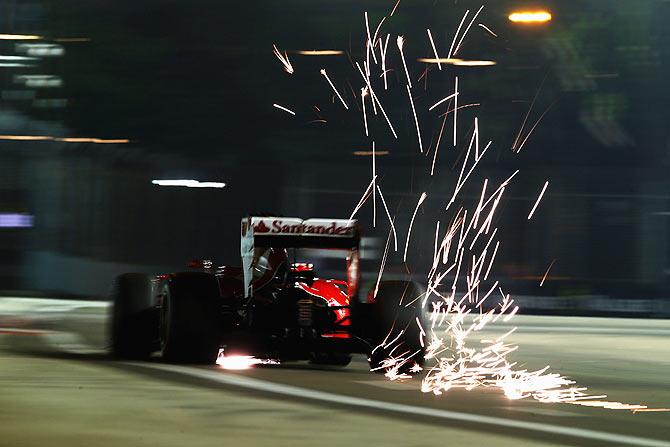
(275, 306)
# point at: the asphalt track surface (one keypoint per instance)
(58, 387)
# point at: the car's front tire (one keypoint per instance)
(190, 317)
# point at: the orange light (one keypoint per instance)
(530, 17)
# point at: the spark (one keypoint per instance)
(381, 266)
(286, 63)
(364, 92)
(547, 272)
(409, 231)
(374, 187)
(369, 44)
(458, 30)
(537, 202)
(437, 146)
(467, 29)
(365, 196)
(374, 98)
(455, 108)
(284, 109)
(400, 41)
(382, 49)
(487, 29)
(525, 119)
(325, 75)
(394, 8)
(395, 235)
(447, 98)
(534, 126)
(432, 44)
(416, 120)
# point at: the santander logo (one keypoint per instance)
(261, 228)
(315, 227)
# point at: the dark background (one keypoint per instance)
(191, 84)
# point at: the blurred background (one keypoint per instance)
(98, 98)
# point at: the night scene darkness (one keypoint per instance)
(382, 222)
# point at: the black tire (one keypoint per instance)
(330, 359)
(190, 318)
(393, 313)
(134, 328)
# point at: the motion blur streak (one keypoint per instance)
(320, 52)
(189, 183)
(64, 140)
(19, 37)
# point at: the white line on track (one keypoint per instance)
(321, 396)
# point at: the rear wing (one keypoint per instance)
(292, 232)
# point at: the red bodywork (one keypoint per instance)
(331, 291)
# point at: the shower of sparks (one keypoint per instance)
(284, 109)
(432, 44)
(411, 223)
(283, 58)
(416, 120)
(325, 75)
(400, 41)
(547, 272)
(487, 29)
(537, 202)
(460, 298)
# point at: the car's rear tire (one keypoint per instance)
(133, 329)
(190, 317)
(330, 359)
(396, 308)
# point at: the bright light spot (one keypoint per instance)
(238, 362)
(188, 183)
(19, 37)
(320, 52)
(15, 220)
(530, 17)
(456, 61)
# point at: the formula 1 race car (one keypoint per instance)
(275, 306)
